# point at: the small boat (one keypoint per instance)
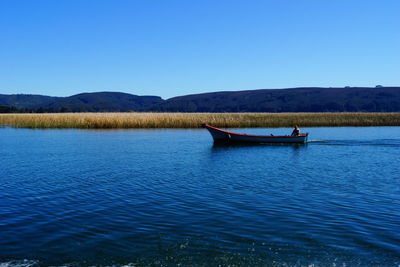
(221, 136)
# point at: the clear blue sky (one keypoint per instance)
(171, 47)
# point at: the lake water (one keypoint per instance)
(171, 198)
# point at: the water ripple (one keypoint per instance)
(126, 198)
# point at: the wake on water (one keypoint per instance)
(376, 142)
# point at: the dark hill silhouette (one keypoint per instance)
(383, 99)
(102, 102)
(307, 99)
(85, 102)
(22, 101)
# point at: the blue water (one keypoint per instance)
(171, 198)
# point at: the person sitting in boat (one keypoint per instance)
(296, 131)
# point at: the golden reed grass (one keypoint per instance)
(193, 120)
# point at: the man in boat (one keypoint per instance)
(296, 131)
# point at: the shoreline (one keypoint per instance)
(137, 120)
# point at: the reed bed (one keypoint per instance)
(193, 120)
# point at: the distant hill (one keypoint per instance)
(85, 102)
(307, 99)
(101, 102)
(382, 99)
(22, 101)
